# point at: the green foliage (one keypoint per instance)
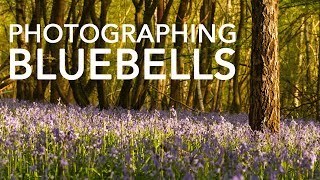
(298, 94)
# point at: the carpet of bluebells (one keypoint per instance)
(45, 141)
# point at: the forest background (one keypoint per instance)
(299, 52)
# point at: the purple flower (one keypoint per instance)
(238, 177)
(63, 162)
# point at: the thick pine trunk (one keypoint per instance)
(264, 83)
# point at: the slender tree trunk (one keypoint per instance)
(43, 4)
(125, 96)
(138, 86)
(230, 92)
(77, 87)
(207, 88)
(21, 19)
(191, 92)
(235, 106)
(59, 85)
(207, 13)
(264, 82)
(318, 83)
(176, 85)
(199, 94)
(220, 83)
(141, 87)
(298, 96)
(162, 17)
(44, 84)
(39, 92)
(101, 84)
(307, 45)
(206, 51)
(32, 48)
(218, 95)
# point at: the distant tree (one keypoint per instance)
(264, 83)
(134, 97)
(78, 88)
(22, 86)
(207, 13)
(57, 17)
(298, 51)
(236, 107)
(176, 85)
(163, 10)
(318, 83)
(140, 88)
(101, 85)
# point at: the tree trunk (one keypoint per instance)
(138, 87)
(307, 44)
(57, 17)
(21, 19)
(235, 106)
(141, 86)
(39, 92)
(176, 89)
(77, 87)
(101, 84)
(191, 92)
(125, 96)
(206, 51)
(218, 95)
(264, 82)
(199, 94)
(210, 83)
(318, 83)
(220, 84)
(162, 17)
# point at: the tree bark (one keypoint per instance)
(307, 44)
(78, 88)
(57, 17)
(318, 83)
(39, 92)
(162, 18)
(220, 83)
(235, 106)
(176, 89)
(21, 19)
(125, 93)
(199, 94)
(101, 84)
(264, 82)
(135, 98)
(218, 95)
